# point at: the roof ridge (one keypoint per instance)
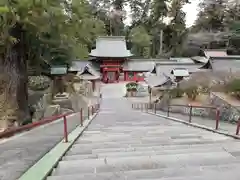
(111, 37)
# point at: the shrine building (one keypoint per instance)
(111, 53)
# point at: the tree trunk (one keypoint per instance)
(14, 67)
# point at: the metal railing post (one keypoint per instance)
(81, 116)
(190, 114)
(155, 108)
(217, 118)
(168, 110)
(92, 110)
(65, 129)
(238, 127)
(88, 112)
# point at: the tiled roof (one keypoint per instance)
(180, 72)
(143, 66)
(111, 46)
(154, 81)
(168, 68)
(220, 64)
(215, 53)
(78, 65)
(200, 59)
(149, 59)
(88, 73)
(182, 60)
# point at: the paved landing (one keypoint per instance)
(20, 152)
(123, 144)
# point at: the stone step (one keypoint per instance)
(142, 162)
(166, 173)
(97, 148)
(147, 152)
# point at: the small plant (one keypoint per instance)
(132, 86)
(176, 93)
(192, 92)
(204, 89)
(38, 83)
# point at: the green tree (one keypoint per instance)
(175, 32)
(140, 41)
(211, 16)
(36, 31)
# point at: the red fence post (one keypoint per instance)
(238, 127)
(65, 128)
(217, 118)
(81, 116)
(190, 114)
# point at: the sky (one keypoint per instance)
(191, 12)
(190, 9)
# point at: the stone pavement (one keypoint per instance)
(123, 144)
(20, 152)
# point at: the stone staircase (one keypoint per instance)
(123, 144)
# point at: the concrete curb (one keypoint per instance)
(49, 161)
(196, 125)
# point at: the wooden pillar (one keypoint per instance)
(104, 76)
(93, 85)
(134, 76)
(115, 79)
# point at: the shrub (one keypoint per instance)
(132, 86)
(38, 83)
(204, 89)
(233, 87)
(192, 92)
(176, 93)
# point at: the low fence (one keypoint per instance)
(91, 110)
(188, 113)
(228, 112)
(81, 114)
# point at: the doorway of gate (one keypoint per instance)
(110, 76)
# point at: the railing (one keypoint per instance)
(90, 111)
(209, 116)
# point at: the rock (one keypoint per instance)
(52, 110)
(66, 111)
(64, 103)
(61, 96)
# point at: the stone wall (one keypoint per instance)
(228, 112)
(44, 108)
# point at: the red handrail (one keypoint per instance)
(14, 130)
